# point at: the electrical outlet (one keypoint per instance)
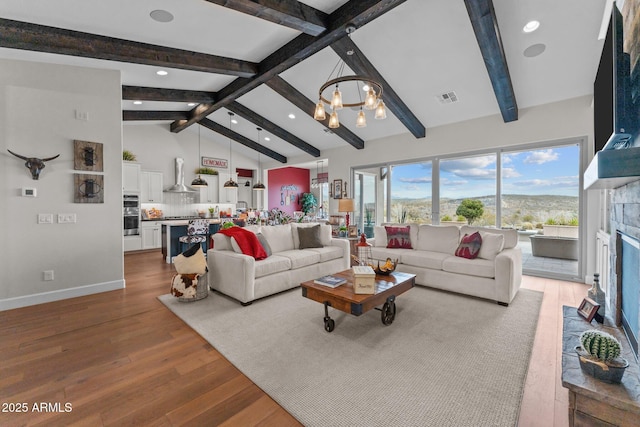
(66, 218)
(45, 218)
(48, 275)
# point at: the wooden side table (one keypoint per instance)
(593, 402)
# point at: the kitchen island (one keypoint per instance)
(174, 228)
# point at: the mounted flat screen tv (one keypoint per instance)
(615, 117)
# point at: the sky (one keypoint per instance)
(549, 171)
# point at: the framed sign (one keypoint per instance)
(588, 309)
(212, 162)
(337, 189)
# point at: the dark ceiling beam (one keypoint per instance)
(133, 115)
(308, 106)
(354, 12)
(359, 63)
(272, 128)
(485, 26)
(210, 124)
(289, 13)
(166, 95)
(40, 38)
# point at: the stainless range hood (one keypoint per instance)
(179, 186)
(612, 168)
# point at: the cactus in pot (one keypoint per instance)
(599, 356)
(600, 345)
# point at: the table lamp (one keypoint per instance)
(346, 206)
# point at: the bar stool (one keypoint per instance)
(197, 232)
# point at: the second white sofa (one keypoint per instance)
(495, 274)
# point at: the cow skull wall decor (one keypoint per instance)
(34, 164)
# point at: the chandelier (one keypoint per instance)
(230, 184)
(372, 100)
(321, 178)
(259, 185)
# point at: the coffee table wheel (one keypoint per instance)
(388, 312)
(329, 324)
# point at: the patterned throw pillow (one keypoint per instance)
(398, 237)
(469, 246)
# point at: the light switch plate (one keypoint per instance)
(45, 218)
(66, 218)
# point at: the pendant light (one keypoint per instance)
(259, 186)
(230, 184)
(199, 182)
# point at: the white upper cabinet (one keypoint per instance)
(130, 177)
(151, 187)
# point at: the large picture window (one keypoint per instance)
(533, 189)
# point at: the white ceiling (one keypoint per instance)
(422, 48)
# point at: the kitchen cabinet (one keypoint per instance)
(151, 234)
(151, 187)
(225, 195)
(132, 243)
(130, 177)
(210, 193)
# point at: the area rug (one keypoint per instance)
(446, 360)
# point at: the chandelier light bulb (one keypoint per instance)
(336, 101)
(361, 121)
(381, 111)
(319, 113)
(370, 100)
(333, 120)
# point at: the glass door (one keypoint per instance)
(540, 197)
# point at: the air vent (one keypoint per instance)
(327, 130)
(448, 97)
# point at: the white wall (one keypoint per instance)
(37, 119)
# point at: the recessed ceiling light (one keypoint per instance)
(161, 73)
(266, 138)
(531, 26)
(137, 102)
(292, 116)
(234, 121)
(534, 50)
(191, 104)
(160, 15)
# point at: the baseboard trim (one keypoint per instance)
(44, 297)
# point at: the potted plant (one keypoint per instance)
(343, 231)
(128, 156)
(368, 225)
(206, 171)
(599, 355)
(308, 203)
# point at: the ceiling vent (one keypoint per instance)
(448, 97)
(327, 130)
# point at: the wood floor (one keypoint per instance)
(121, 358)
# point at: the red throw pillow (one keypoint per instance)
(398, 237)
(469, 246)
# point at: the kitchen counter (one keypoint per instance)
(173, 229)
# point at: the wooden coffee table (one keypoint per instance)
(342, 298)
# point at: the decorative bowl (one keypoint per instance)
(386, 267)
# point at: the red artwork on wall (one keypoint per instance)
(286, 186)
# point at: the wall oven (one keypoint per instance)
(131, 214)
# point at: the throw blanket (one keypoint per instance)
(247, 241)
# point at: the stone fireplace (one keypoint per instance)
(623, 292)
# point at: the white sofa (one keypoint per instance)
(245, 279)
(495, 274)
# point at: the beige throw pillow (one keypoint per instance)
(492, 244)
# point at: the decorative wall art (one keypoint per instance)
(87, 156)
(337, 189)
(88, 188)
(34, 164)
